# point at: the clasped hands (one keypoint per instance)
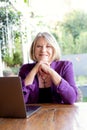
(44, 75)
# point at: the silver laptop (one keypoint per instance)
(12, 100)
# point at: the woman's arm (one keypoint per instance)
(67, 87)
(29, 88)
(64, 82)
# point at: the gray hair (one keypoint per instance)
(51, 40)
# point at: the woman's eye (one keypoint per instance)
(38, 46)
(48, 46)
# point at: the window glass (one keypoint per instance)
(21, 20)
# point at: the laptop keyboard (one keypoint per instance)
(31, 108)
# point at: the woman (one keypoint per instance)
(48, 79)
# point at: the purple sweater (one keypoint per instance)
(65, 92)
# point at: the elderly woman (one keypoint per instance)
(48, 79)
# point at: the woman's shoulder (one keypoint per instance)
(66, 62)
(62, 65)
(62, 62)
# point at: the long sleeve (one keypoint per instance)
(67, 88)
(29, 91)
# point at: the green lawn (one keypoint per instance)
(84, 99)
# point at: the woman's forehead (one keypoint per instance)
(41, 40)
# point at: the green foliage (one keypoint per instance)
(81, 43)
(10, 15)
(84, 99)
(10, 20)
(8, 60)
(74, 23)
(26, 1)
(13, 60)
(80, 80)
(17, 59)
(17, 41)
(4, 0)
(73, 30)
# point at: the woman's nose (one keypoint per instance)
(43, 48)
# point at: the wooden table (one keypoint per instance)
(51, 117)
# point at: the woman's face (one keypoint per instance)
(43, 50)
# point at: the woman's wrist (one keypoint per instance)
(56, 78)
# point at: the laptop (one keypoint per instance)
(12, 101)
